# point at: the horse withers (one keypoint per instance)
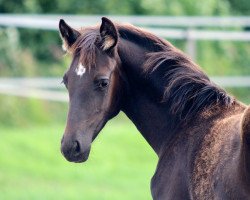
(200, 133)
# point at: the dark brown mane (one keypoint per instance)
(185, 89)
(141, 37)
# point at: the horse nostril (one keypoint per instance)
(76, 147)
(71, 149)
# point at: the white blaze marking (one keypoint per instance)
(80, 70)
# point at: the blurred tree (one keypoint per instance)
(240, 7)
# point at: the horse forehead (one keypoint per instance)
(104, 59)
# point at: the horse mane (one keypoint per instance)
(185, 89)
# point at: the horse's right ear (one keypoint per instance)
(109, 34)
(68, 35)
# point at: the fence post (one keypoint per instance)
(191, 44)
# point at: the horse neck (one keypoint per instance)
(144, 110)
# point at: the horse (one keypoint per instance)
(200, 133)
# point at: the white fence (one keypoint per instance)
(187, 28)
(41, 88)
(50, 22)
(160, 25)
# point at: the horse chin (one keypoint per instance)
(79, 158)
(84, 157)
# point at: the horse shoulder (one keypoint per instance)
(215, 161)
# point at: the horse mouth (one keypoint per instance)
(77, 158)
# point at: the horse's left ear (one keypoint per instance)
(109, 34)
(68, 34)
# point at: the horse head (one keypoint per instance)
(93, 85)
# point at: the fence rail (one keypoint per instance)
(158, 25)
(51, 21)
(51, 89)
(45, 94)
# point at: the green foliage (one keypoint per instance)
(243, 94)
(14, 60)
(135, 7)
(240, 7)
(220, 58)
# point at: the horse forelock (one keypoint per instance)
(85, 46)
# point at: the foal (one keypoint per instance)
(200, 134)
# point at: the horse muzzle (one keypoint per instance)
(74, 151)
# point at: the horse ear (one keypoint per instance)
(109, 34)
(68, 34)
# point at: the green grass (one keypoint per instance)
(120, 166)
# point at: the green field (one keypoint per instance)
(120, 166)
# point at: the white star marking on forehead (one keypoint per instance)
(80, 70)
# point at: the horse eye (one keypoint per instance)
(102, 83)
